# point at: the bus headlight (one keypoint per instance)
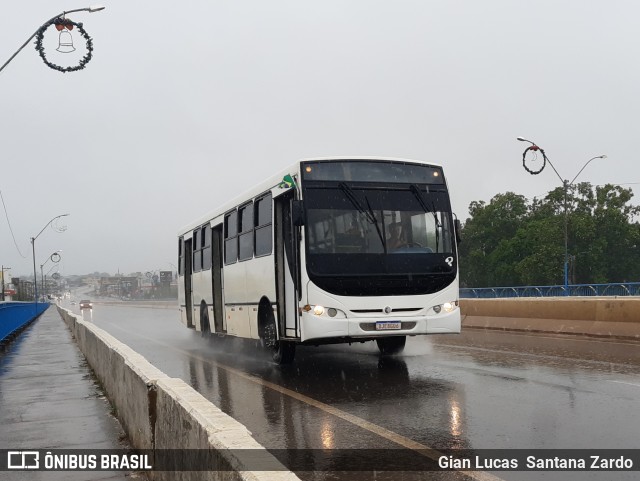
(324, 311)
(447, 307)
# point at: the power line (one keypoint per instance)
(10, 229)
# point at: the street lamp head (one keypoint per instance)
(603, 156)
(96, 8)
(521, 139)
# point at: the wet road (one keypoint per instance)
(479, 390)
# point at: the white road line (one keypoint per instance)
(624, 382)
(561, 336)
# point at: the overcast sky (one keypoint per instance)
(185, 104)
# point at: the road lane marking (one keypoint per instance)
(560, 336)
(421, 449)
(624, 382)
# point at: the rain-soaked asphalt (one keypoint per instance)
(478, 390)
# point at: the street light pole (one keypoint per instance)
(33, 252)
(565, 187)
(95, 8)
(3, 281)
(568, 184)
(55, 257)
(45, 279)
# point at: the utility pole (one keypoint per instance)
(3, 281)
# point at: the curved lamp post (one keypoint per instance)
(54, 276)
(55, 258)
(33, 252)
(95, 8)
(565, 186)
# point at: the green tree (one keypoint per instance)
(489, 225)
(511, 241)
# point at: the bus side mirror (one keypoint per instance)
(458, 227)
(297, 213)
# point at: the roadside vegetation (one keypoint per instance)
(512, 241)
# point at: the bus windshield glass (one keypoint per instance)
(338, 225)
(353, 230)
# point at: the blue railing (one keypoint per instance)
(14, 315)
(620, 289)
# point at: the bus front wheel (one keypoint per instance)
(282, 352)
(391, 345)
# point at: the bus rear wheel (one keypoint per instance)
(391, 345)
(204, 322)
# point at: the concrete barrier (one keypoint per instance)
(613, 317)
(127, 378)
(160, 413)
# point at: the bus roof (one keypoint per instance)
(273, 181)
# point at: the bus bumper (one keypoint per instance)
(324, 327)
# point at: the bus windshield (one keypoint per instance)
(366, 231)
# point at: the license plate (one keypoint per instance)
(387, 325)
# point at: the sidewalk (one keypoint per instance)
(48, 399)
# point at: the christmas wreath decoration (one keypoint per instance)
(64, 23)
(534, 149)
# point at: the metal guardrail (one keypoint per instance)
(14, 315)
(580, 290)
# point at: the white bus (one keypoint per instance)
(330, 250)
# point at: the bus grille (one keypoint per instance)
(381, 311)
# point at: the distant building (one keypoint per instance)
(23, 289)
(118, 286)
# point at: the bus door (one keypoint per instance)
(188, 290)
(216, 276)
(287, 267)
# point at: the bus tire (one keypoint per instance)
(391, 345)
(282, 352)
(204, 321)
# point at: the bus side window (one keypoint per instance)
(231, 237)
(206, 247)
(245, 239)
(197, 251)
(263, 237)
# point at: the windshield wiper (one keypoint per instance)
(415, 190)
(375, 223)
(348, 192)
(368, 213)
